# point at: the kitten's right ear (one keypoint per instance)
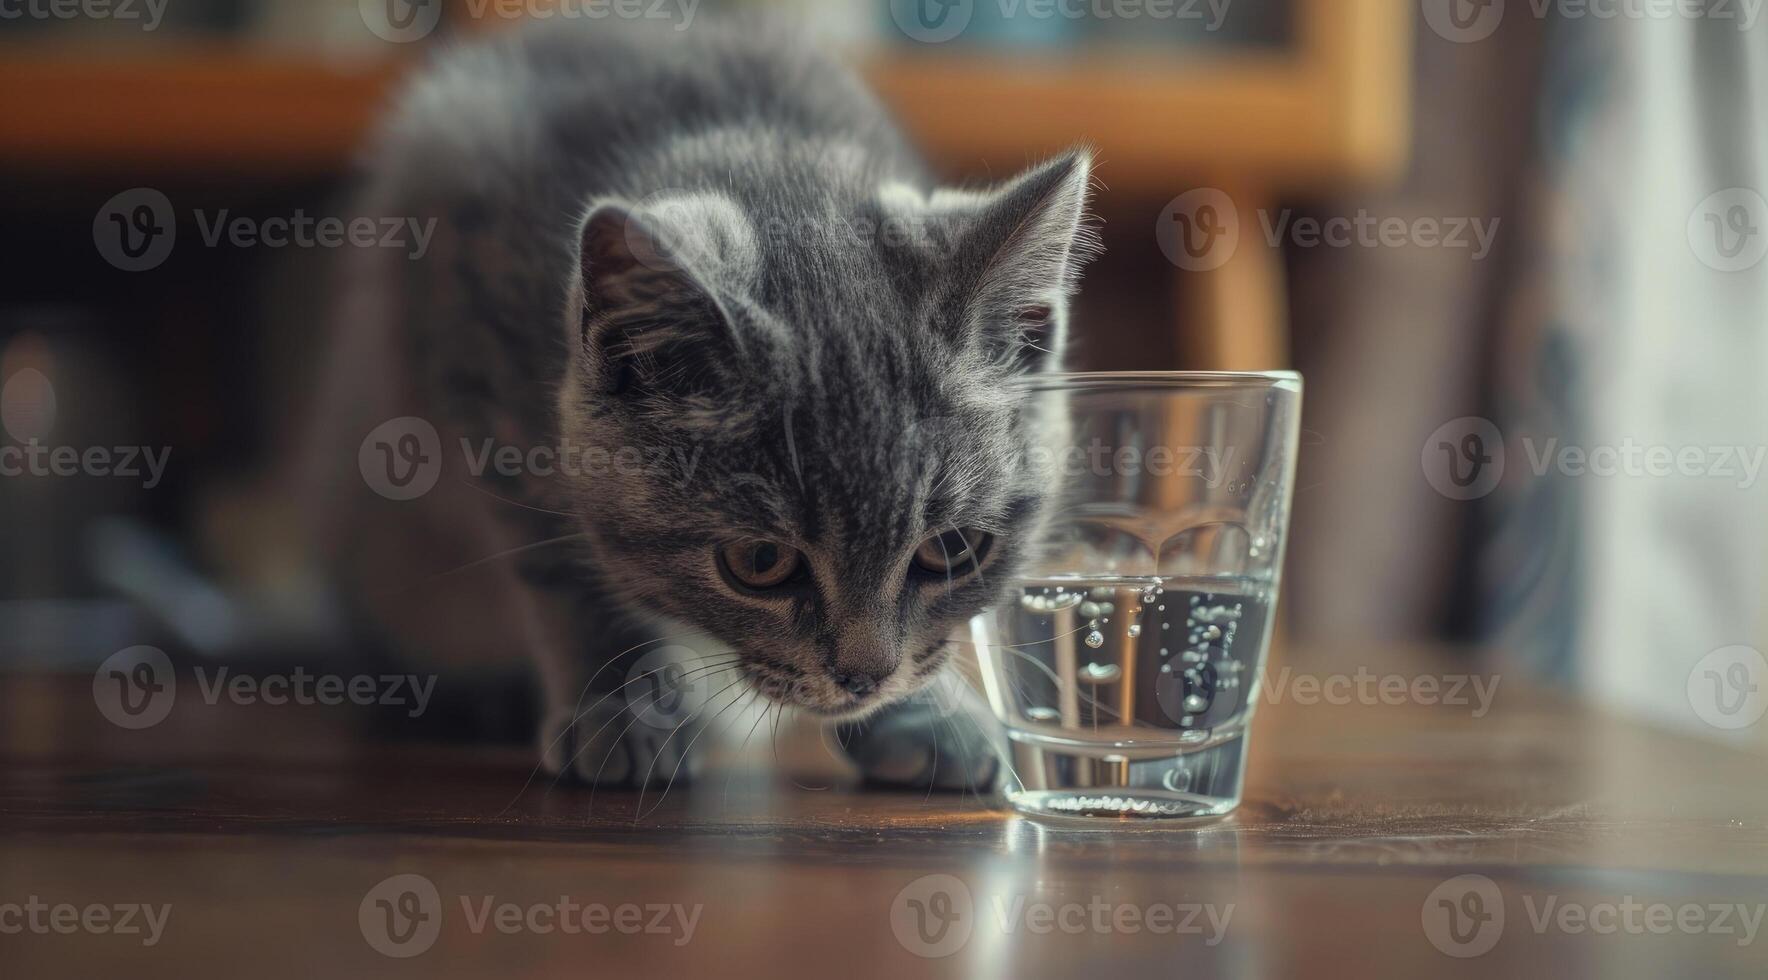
(1015, 253)
(648, 324)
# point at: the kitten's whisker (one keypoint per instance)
(776, 747)
(968, 782)
(596, 783)
(577, 713)
(619, 739)
(989, 736)
(686, 674)
(1021, 646)
(948, 561)
(474, 484)
(774, 737)
(993, 738)
(644, 784)
(611, 661)
(823, 740)
(690, 747)
(766, 709)
(932, 775)
(549, 542)
(1051, 674)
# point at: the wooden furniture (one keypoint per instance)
(266, 828)
(203, 108)
(1255, 124)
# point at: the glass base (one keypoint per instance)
(1064, 777)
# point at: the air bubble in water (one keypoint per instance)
(1095, 639)
(1135, 630)
(1101, 673)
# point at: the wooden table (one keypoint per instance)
(269, 831)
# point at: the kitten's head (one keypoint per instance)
(813, 406)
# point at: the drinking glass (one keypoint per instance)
(1126, 664)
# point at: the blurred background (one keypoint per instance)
(1517, 249)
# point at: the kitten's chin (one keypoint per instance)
(855, 712)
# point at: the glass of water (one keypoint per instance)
(1125, 666)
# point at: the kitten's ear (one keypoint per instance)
(649, 324)
(1019, 255)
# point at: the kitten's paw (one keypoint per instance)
(917, 743)
(605, 745)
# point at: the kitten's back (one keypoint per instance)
(502, 143)
(589, 108)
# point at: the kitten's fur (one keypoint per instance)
(718, 248)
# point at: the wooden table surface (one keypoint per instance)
(1597, 847)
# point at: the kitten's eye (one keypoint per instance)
(759, 564)
(953, 551)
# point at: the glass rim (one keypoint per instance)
(1130, 380)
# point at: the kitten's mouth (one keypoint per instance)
(832, 704)
(826, 699)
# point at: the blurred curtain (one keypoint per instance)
(1641, 321)
(1617, 311)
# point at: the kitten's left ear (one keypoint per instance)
(650, 322)
(1020, 256)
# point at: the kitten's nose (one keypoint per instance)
(866, 656)
(858, 683)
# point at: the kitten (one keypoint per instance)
(709, 269)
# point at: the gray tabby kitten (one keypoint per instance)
(712, 258)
